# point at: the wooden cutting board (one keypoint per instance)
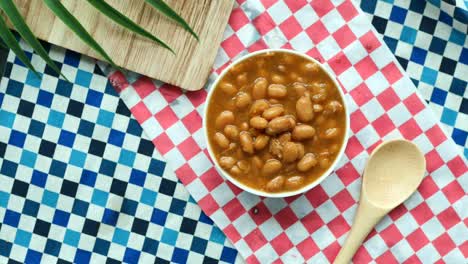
(188, 69)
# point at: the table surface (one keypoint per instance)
(52, 133)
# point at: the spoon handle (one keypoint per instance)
(366, 218)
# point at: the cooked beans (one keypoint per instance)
(307, 162)
(271, 167)
(246, 142)
(276, 122)
(243, 100)
(221, 140)
(258, 122)
(224, 118)
(275, 184)
(231, 131)
(259, 89)
(227, 162)
(294, 182)
(303, 132)
(290, 152)
(272, 112)
(261, 141)
(304, 109)
(277, 91)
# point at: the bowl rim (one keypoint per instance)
(249, 189)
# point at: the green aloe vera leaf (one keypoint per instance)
(20, 25)
(169, 12)
(61, 12)
(12, 43)
(124, 21)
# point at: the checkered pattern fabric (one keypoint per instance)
(429, 227)
(81, 182)
(429, 40)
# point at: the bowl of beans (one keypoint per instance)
(276, 123)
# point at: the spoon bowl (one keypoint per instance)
(393, 172)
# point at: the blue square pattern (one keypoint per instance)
(52, 247)
(157, 167)
(33, 257)
(180, 255)
(22, 238)
(66, 138)
(116, 138)
(6, 119)
(438, 96)
(82, 256)
(28, 158)
(408, 35)
(36, 128)
(101, 246)
(11, 218)
(137, 177)
(72, 58)
(33, 80)
(61, 218)
(429, 76)
(6, 248)
(50, 198)
(105, 118)
(39, 178)
(158, 217)
(110, 217)
(8, 168)
(77, 158)
(83, 78)
(169, 236)
(45, 98)
(56, 118)
(457, 37)
(71, 238)
(17, 139)
(58, 168)
(120, 236)
(127, 157)
(88, 178)
(148, 197)
(459, 136)
(99, 197)
(398, 14)
(131, 256)
(449, 116)
(31, 208)
(94, 98)
(418, 55)
(4, 197)
(14, 88)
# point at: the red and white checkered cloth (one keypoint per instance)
(430, 227)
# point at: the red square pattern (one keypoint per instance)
(347, 10)
(238, 19)
(457, 166)
(209, 204)
(344, 36)
(362, 256)
(163, 143)
(444, 244)
(211, 179)
(118, 81)
(166, 117)
(422, 213)
(170, 92)
(232, 46)
(427, 187)
(255, 239)
(263, 23)
(436, 135)
(232, 233)
(295, 5)
(307, 248)
(339, 63)
(453, 191)
(343, 200)
(192, 122)
(189, 148)
(290, 27)
(370, 41)
(353, 148)
(186, 174)
(348, 173)
(141, 112)
(312, 222)
(392, 73)
(398, 212)
(410, 129)
(281, 244)
(143, 86)
(317, 32)
(388, 99)
(286, 217)
(259, 45)
(197, 97)
(383, 125)
(387, 258)
(414, 104)
(233, 209)
(316, 196)
(331, 251)
(262, 213)
(417, 239)
(358, 121)
(361, 94)
(322, 7)
(366, 67)
(338, 226)
(433, 161)
(391, 235)
(448, 218)
(268, 3)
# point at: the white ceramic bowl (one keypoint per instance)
(250, 189)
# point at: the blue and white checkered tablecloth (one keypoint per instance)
(81, 182)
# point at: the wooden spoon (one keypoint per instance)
(393, 172)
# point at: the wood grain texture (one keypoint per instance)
(188, 69)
